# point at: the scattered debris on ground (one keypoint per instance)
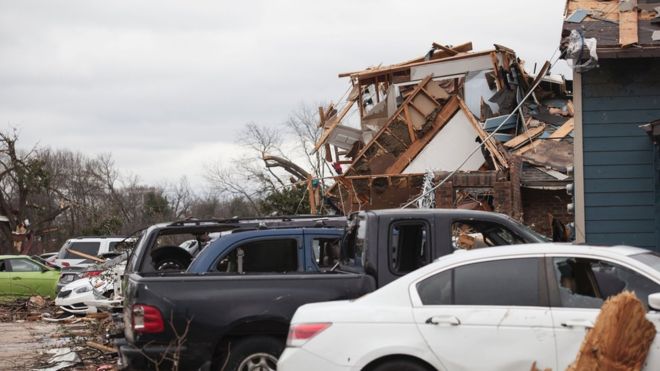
(38, 335)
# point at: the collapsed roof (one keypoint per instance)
(451, 109)
(617, 29)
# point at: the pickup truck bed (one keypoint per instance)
(201, 302)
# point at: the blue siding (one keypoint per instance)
(621, 181)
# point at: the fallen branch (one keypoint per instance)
(101, 347)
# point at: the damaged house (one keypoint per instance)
(402, 131)
(614, 49)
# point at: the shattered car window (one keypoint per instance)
(473, 234)
(587, 283)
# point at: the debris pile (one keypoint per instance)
(452, 109)
(80, 343)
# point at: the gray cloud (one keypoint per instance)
(166, 85)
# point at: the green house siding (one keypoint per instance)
(621, 179)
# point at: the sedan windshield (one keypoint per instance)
(652, 259)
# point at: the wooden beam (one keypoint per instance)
(446, 113)
(526, 148)
(336, 119)
(524, 137)
(492, 148)
(396, 68)
(321, 117)
(445, 49)
(628, 26)
(461, 48)
(83, 255)
(563, 130)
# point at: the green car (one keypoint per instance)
(22, 276)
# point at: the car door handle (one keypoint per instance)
(577, 323)
(16, 278)
(446, 320)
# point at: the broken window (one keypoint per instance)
(409, 242)
(473, 234)
(499, 282)
(587, 283)
(326, 251)
(263, 256)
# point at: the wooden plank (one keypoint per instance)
(618, 185)
(619, 158)
(526, 148)
(86, 256)
(492, 148)
(620, 213)
(645, 240)
(620, 199)
(621, 117)
(524, 137)
(336, 119)
(563, 130)
(621, 226)
(618, 171)
(443, 117)
(321, 117)
(628, 26)
(461, 48)
(618, 144)
(447, 50)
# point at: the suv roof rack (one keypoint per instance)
(101, 236)
(265, 222)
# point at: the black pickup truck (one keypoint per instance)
(230, 310)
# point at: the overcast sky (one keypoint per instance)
(166, 85)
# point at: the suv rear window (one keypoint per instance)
(87, 247)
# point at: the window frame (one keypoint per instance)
(427, 247)
(11, 264)
(237, 244)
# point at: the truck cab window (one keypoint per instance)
(263, 256)
(408, 246)
(473, 234)
(326, 251)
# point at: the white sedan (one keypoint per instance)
(500, 308)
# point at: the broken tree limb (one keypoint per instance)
(290, 167)
(83, 255)
(101, 347)
(620, 339)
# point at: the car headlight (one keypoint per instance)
(83, 290)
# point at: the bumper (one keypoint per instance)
(133, 358)
(298, 359)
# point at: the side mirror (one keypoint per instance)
(654, 301)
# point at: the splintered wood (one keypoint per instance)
(620, 339)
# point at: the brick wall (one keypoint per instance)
(537, 204)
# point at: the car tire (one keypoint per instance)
(249, 352)
(170, 258)
(400, 365)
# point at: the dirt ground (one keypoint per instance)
(22, 344)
